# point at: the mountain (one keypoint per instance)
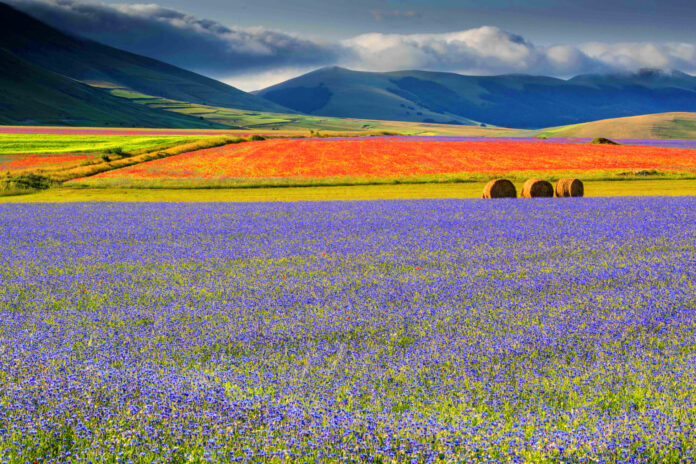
(91, 62)
(32, 95)
(344, 93)
(649, 126)
(520, 101)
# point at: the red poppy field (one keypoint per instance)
(383, 159)
(37, 162)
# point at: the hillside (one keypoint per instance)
(526, 102)
(649, 126)
(31, 95)
(92, 62)
(278, 123)
(343, 93)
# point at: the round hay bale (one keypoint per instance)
(569, 188)
(499, 188)
(537, 188)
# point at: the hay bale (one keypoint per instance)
(536, 188)
(569, 188)
(499, 188)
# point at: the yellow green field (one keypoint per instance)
(66, 143)
(343, 193)
(265, 122)
(649, 126)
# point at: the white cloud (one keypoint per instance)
(490, 50)
(640, 55)
(484, 48)
(260, 80)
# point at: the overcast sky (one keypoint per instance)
(252, 44)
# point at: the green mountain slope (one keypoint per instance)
(264, 121)
(31, 95)
(89, 61)
(344, 93)
(521, 101)
(649, 126)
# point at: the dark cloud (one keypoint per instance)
(255, 57)
(169, 35)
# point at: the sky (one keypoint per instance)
(254, 44)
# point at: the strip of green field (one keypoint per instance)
(61, 143)
(342, 193)
(193, 182)
(256, 120)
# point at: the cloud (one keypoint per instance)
(490, 50)
(255, 57)
(179, 38)
(485, 49)
(631, 56)
(257, 80)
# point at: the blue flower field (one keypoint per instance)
(458, 331)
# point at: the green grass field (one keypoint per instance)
(343, 193)
(650, 126)
(256, 120)
(62, 143)
(519, 177)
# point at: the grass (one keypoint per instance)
(34, 95)
(678, 126)
(13, 144)
(341, 193)
(263, 121)
(90, 181)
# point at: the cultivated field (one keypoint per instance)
(389, 159)
(282, 122)
(408, 191)
(412, 331)
(51, 142)
(39, 150)
(14, 164)
(192, 159)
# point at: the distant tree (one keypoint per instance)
(604, 141)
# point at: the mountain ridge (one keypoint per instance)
(508, 100)
(88, 61)
(33, 95)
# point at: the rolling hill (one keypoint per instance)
(522, 101)
(343, 93)
(277, 123)
(31, 95)
(92, 62)
(649, 126)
